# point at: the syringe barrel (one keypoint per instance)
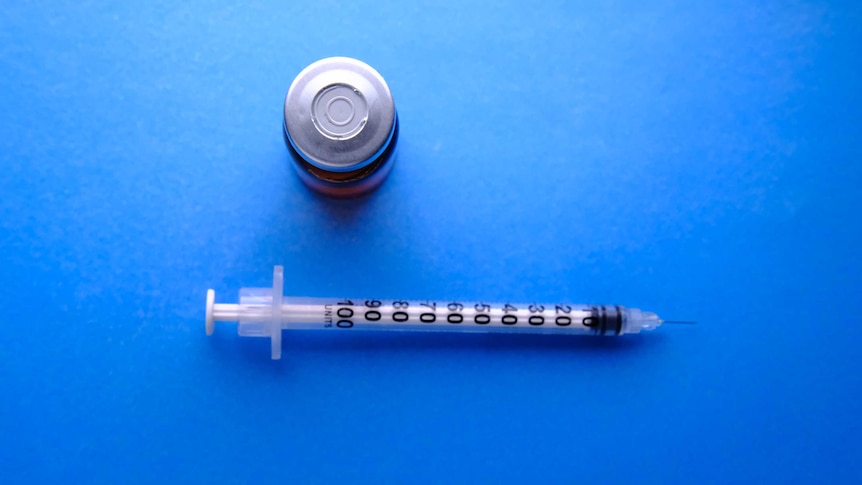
(255, 316)
(264, 312)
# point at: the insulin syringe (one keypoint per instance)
(264, 312)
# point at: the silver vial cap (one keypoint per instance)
(339, 114)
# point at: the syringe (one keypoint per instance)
(265, 312)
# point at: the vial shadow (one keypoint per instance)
(340, 211)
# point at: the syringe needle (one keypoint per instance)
(686, 322)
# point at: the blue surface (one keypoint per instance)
(701, 161)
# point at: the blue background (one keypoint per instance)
(700, 161)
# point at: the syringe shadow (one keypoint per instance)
(255, 352)
(435, 342)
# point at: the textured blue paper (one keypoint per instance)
(701, 161)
